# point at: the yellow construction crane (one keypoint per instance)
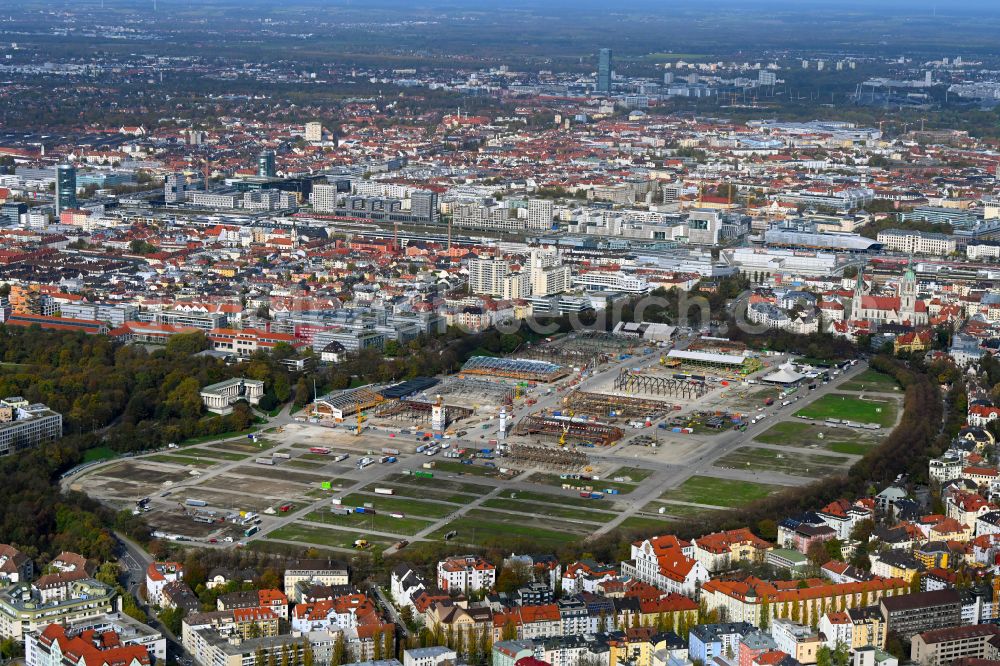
(565, 430)
(361, 419)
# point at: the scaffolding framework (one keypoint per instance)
(637, 383)
(544, 456)
(579, 431)
(565, 357)
(582, 402)
(348, 402)
(400, 410)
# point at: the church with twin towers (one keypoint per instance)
(903, 308)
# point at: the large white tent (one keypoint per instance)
(786, 374)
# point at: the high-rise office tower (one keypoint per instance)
(13, 212)
(604, 71)
(424, 205)
(265, 164)
(65, 187)
(174, 186)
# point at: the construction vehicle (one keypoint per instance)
(669, 362)
(361, 544)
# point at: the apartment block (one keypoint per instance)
(317, 572)
(465, 574)
(123, 630)
(58, 646)
(24, 426)
(25, 608)
(912, 614)
(942, 646)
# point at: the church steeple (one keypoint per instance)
(908, 294)
(859, 292)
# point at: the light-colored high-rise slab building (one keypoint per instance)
(540, 213)
(314, 132)
(487, 276)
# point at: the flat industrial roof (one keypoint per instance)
(706, 357)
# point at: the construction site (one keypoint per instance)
(545, 457)
(569, 429)
(514, 368)
(567, 438)
(582, 349)
(536, 402)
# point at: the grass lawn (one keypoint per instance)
(846, 407)
(528, 510)
(451, 467)
(265, 546)
(566, 500)
(222, 435)
(870, 380)
(475, 531)
(323, 537)
(719, 492)
(677, 510)
(379, 522)
(215, 454)
(836, 439)
(794, 463)
(240, 447)
(99, 453)
(645, 523)
(635, 474)
(443, 484)
(849, 448)
(402, 505)
(403, 490)
(182, 460)
(516, 521)
(598, 486)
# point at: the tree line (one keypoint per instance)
(110, 394)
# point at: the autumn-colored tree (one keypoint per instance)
(509, 631)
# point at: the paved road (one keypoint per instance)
(390, 609)
(134, 561)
